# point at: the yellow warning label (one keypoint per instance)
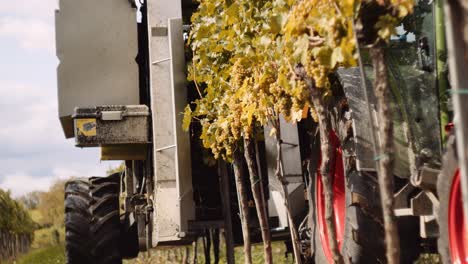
(86, 127)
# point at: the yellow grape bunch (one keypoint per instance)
(245, 53)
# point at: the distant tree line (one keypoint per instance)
(47, 207)
(16, 227)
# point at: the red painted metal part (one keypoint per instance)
(339, 201)
(456, 223)
(448, 128)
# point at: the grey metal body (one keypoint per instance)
(458, 64)
(412, 80)
(405, 149)
(173, 194)
(351, 82)
(96, 45)
(292, 174)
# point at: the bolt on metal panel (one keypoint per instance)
(97, 44)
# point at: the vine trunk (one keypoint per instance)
(327, 157)
(256, 185)
(327, 160)
(243, 206)
(195, 250)
(385, 157)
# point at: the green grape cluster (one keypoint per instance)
(245, 53)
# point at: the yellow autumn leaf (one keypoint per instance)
(336, 57)
(187, 118)
(272, 132)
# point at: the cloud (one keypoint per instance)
(26, 173)
(41, 9)
(34, 152)
(29, 116)
(33, 143)
(21, 183)
(30, 34)
(19, 92)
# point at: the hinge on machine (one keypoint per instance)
(426, 178)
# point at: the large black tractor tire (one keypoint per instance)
(445, 186)
(105, 226)
(95, 231)
(363, 235)
(78, 218)
(128, 246)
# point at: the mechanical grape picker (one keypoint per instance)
(122, 86)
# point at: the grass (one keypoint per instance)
(176, 255)
(46, 248)
(47, 237)
(429, 259)
(56, 255)
(47, 251)
(49, 255)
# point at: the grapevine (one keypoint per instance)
(255, 61)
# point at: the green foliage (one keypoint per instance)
(322, 33)
(235, 52)
(14, 217)
(36, 215)
(55, 254)
(245, 53)
(51, 205)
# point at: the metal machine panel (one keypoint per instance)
(351, 82)
(173, 184)
(111, 125)
(96, 44)
(292, 172)
(350, 79)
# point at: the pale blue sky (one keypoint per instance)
(33, 150)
